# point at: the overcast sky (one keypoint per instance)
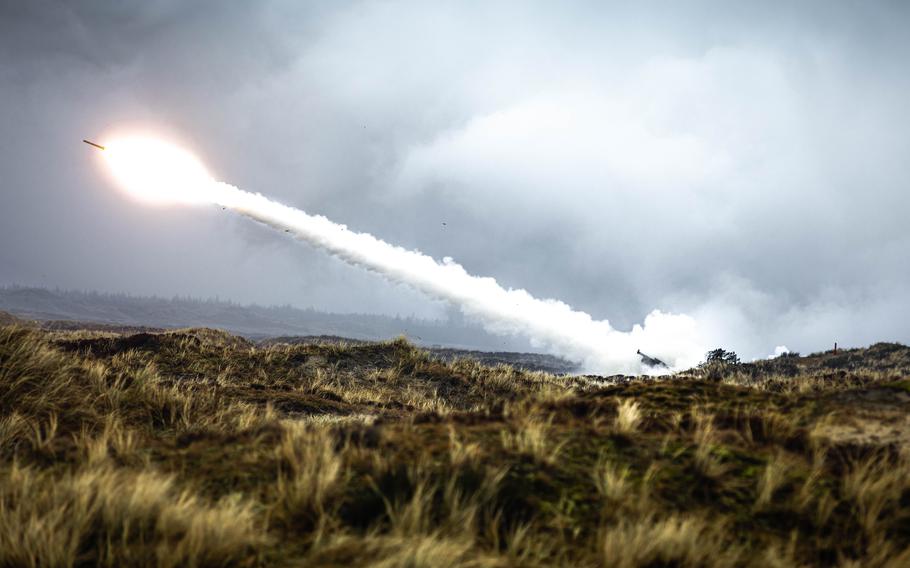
(745, 163)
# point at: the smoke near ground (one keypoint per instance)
(549, 323)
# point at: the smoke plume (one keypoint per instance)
(550, 324)
(157, 172)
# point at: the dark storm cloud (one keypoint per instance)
(741, 162)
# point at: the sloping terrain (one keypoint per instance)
(196, 447)
(526, 361)
(69, 309)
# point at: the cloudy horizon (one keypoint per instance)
(741, 163)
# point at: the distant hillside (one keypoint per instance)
(256, 322)
(526, 361)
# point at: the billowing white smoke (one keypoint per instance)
(550, 324)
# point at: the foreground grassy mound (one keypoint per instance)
(197, 448)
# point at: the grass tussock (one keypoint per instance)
(670, 541)
(628, 416)
(533, 436)
(310, 470)
(611, 480)
(197, 448)
(101, 515)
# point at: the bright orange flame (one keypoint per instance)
(156, 172)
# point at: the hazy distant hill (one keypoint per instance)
(251, 321)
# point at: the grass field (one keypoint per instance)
(197, 448)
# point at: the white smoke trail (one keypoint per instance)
(550, 324)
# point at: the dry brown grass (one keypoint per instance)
(533, 436)
(462, 453)
(122, 518)
(874, 484)
(706, 462)
(310, 471)
(772, 478)
(200, 449)
(628, 416)
(611, 480)
(670, 541)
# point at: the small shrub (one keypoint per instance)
(722, 356)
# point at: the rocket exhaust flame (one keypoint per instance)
(157, 172)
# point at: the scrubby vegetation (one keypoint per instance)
(197, 448)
